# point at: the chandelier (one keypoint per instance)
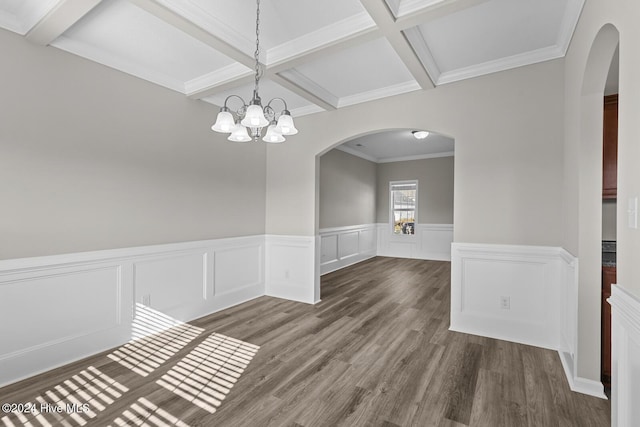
(246, 123)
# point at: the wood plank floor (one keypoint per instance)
(375, 352)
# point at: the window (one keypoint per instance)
(404, 207)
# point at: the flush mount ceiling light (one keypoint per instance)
(420, 134)
(246, 123)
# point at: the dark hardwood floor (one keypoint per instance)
(375, 352)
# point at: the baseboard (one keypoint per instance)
(578, 384)
(76, 305)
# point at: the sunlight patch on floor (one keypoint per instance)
(73, 402)
(156, 338)
(206, 375)
(146, 414)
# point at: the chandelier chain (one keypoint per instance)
(257, 52)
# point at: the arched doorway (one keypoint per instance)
(588, 360)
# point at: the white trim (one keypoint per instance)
(431, 242)
(568, 25)
(116, 62)
(406, 7)
(501, 64)
(100, 288)
(625, 357)
(297, 78)
(320, 38)
(362, 155)
(341, 247)
(290, 265)
(231, 72)
(417, 157)
(383, 92)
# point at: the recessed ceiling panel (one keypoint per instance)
(281, 21)
(123, 36)
(20, 16)
(268, 90)
(493, 30)
(357, 74)
(396, 145)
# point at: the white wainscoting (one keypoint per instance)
(541, 284)
(344, 246)
(625, 358)
(530, 277)
(291, 268)
(430, 241)
(57, 309)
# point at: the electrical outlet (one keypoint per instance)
(146, 300)
(505, 303)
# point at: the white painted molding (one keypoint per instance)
(76, 305)
(321, 38)
(530, 276)
(383, 92)
(430, 241)
(356, 153)
(344, 246)
(295, 77)
(541, 283)
(406, 7)
(231, 72)
(111, 60)
(502, 64)
(421, 48)
(625, 357)
(417, 157)
(568, 25)
(290, 264)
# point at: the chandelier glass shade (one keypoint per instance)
(246, 123)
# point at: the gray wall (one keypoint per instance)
(347, 190)
(435, 188)
(91, 158)
(508, 128)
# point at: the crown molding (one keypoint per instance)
(356, 153)
(502, 64)
(297, 78)
(325, 36)
(396, 89)
(306, 110)
(92, 53)
(215, 78)
(569, 22)
(362, 155)
(406, 7)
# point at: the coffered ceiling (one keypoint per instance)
(318, 55)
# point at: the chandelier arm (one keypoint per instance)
(278, 99)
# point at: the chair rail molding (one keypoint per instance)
(76, 305)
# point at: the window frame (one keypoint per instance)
(391, 210)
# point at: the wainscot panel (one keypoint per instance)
(291, 268)
(524, 294)
(344, 246)
(57, 309)
(625, 357)
(430, 241)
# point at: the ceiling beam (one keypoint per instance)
(436, 11)
(302, 92)
(183, 24)
(241, 80)
(385, 20)
(59, 19)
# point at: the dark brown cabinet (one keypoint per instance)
(610, 148)
(608, 278)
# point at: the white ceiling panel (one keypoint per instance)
(287, 27)
(370, 70)
(20, 16)
(398, 145)
(494, 35)
(298, 105)
(493, 30)
(318, 55)
(120, 35)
